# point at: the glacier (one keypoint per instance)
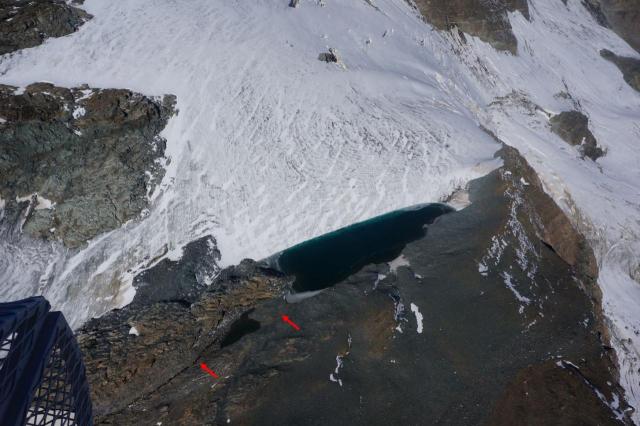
(272, 147)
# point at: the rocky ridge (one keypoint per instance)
(28, 23)
(78, 162)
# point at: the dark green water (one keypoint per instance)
(330, 258)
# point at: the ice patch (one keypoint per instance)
(397, 263)
(418, 315)
(509, 283)
(335, 376)
(299, 297)
(134, 331)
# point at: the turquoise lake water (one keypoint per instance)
(325, 260)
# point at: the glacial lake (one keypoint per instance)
(330, 258)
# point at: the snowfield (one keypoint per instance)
(272, 146)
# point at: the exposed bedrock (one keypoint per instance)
(573, 128)
(28, 23)
(138, 350)
(493, 317)
(78, 162)
(622, 16)
(486, 19)
(629, 67)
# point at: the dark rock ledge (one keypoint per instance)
(28, 23)
(510, 331)
(77, 162)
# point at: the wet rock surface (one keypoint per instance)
(629, 67)
(493, 317)
(28, 23)
(573, 128)
(485, 19)
(622, 16)
(78, 162)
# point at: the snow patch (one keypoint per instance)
(416, 311)
(397, 263)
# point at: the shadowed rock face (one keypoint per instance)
(486, 19)
(78, 162)
(28, 23)
(573, 128)
(629, 67)
(495, 303)
(622, 16)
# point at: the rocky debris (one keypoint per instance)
(487, 20)
(622, 16)
(330, 56)
(78, 162)
(294, 3)
(169, 334)
(481, 342)
(629, 67)
(28, 23)
(573, 128)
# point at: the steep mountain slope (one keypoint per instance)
(485, 318)
(272, 146)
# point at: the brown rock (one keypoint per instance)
(573, 128)
(487, 20)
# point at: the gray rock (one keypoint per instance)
(90, 155)
(28, 23)
(629, 67)
(573, 128)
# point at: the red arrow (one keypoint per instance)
(291, 323)
(208, 370)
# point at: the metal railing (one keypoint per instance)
(42, 377)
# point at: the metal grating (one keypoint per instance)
(42, 377)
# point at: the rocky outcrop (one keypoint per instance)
(573, 128)
(78, 162)
(622, 16)
(139, 349)
(28, 23)
(330, 56)
(179, 280)
(485, 19)
(494, 303)
(629, 67)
